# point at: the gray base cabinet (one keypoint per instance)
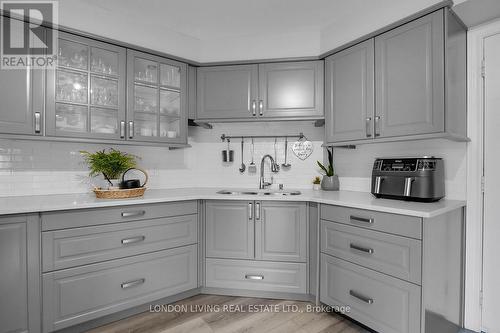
(19, 280)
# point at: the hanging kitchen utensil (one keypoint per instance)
(302, 148)
(252, 168)
(286, 165)
(228, 154)
(242, 167)
(276, 166)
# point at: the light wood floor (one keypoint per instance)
(247, 320)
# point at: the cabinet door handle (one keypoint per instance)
(134, 214)
(368, 127)
(257, 210)
(361, 248)
(134, 283)
(261, 108)
(38, 125)
(377, 126)
(254, 108)
(122, 129)
(361, 297)
(131, 129)
(250, 211)
(254, 277)
(133, 240)
(361, 219)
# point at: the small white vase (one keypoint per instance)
(316, 187)
(116, 184)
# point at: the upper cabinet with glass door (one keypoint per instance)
(157, 109)
(86, 92)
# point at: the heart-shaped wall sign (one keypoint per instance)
(302, 149)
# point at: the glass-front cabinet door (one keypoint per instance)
(156, 99)
(86, 91)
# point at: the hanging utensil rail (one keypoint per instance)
(224, 137)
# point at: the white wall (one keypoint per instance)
(37, 167)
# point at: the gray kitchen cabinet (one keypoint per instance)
(409, 74)
(349, 93)
(22, 95)
(229, 229)
(19, 280)
(157, 107)
(227, 92)
(292, 89)
(281, 231)
(280, 91)
(86, 91)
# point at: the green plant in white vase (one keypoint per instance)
(330, 181)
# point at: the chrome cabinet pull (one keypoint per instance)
(261, 108)
(38, 119)
(134, 283)
(254, 277)
(133, 240)
(134, 214)
(131, 129)
(250, 211)
(361, 248)
(368, 127)
(361, 297)
(122, 129)
(362, 219)
(254, 108)
(377, 126)
(257, 210)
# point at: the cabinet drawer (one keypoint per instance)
(256, 275)
(79, 294)
(381, 302)
(394, 255)
(403, 225)
(87, 245)
(87, 217)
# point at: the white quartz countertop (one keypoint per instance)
(362, 200)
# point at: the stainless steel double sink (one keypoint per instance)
(258, 192)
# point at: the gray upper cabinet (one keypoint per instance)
(349, 94)
(19, 282)
(227, 92)
(409, 74)
(281, 231)
(292, 89)
(229, 229)
(86, 92)
(22, 95)
(157, 99)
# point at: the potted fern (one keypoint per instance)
(330, 181)
(111, 164)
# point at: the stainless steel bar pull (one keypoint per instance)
(361, 297)
(361, 219)
(377, 126)
(134, 213)
(254, 108)
(261, 108)
(408, 182)
(368, 127)
(257, 210)
(38, 122)
(378, 184)
(133, 240)
(130, 129)
(122, 129)
(361, 248)
(254, 277)
(250, 211)
(134, 283)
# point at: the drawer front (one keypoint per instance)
(381, 302)
(256, 275)
(394, 255)
(97, 216)
(403, 225)
(79, 294)
(80, 246)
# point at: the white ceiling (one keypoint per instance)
(221, 30)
